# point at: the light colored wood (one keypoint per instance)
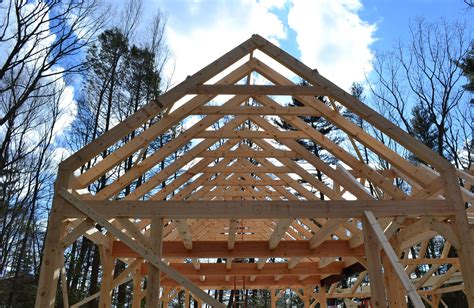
(322, 296)
(265, 209)
(249, 110)
(349, 127)
(249, 134)
(246, 249)
(256, 90)
(164, 152)
(64, 289)
(137, 288)
(466, 252)
(374, 266)
(352, 103)
(278, 232)
(252, 269)
(370, 222)
(186, 299)
(82, 228)
(106, 286)
(50, 267)
(322, 234)
(156, 246)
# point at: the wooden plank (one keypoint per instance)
(374, 266)
(249, 269)
(137, 288)
(265, 209)
(260, 282)
(251, 110)
(324, 232)
(106, 286)
(256, 90)
(462, 228)
(241, 134)
(246, 249)
(280, 229)
(142, 251)
(252, 169)
(50, 267)
(233, 225)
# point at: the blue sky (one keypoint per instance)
(339, 38)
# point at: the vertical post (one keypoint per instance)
(186, 298)
(307, 296)
(137, 287)
(322, 297)
(374, 267)
(272, 298)
(64, 290)
(461, 226)
(51, 262)
(106, 286)
(199, 301)
(156, 242)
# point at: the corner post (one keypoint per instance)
(374, 267)
(466, 249)
(52, 250)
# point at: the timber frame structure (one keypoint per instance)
(250, 191)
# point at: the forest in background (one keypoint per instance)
(424, 83)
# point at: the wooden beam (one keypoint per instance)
(106, 286)
(260, 282)
(264, 209)
(156, 245)
(374, 266)
(278, 232)
(52, 251)
(246, 249)
(251, 110)
(249, 269)
(256, 90)
(324, 232)
(249, 134)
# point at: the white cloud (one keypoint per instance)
(333, 39)
(330, 35)
(210, 32)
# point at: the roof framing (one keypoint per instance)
(246, 188)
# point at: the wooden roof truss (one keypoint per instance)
(245, 188)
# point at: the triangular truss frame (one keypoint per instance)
(241, 191)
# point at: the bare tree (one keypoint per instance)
(420, 81)
(42, 41)
(42, 44)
